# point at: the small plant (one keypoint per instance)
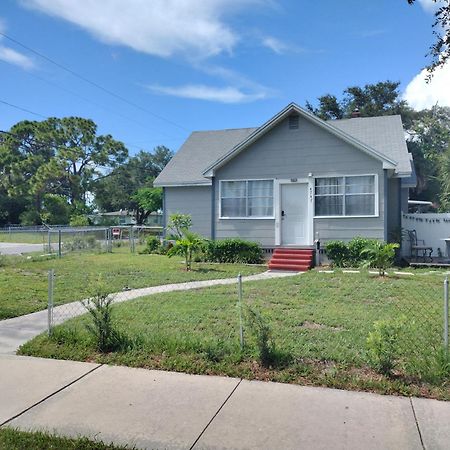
(380, 256)
(263, 335)
(179, 224)
(186, 246)
(101, 327)
(382, 344)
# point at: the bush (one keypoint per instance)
(79, 220)
(80, 243)
(99, 306)
(380, 255)
(152, 244)
(338, 253)
(382, 344)
(263, 335)
(352, 254)
(233, 251)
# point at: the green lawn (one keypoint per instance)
(23, 280)
(24, 237)
(319, 322)
(11, 439)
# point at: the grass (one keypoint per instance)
(24, 237)
(319, 323)
(12, 439)
(23, 280)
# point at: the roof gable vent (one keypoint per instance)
(294, 121)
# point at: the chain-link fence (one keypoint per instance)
(327, 328)
(61, 240)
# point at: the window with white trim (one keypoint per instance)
(246, 198)
(345, 196)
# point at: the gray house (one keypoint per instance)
(293, 180)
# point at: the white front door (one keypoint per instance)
(294, 214)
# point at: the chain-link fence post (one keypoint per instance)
(446, 314)
(241, 327)
(51, 278)
(59, 244)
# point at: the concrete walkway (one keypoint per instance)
(166, 410)
(15, 332)
(12, 248)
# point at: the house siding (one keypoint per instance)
(394, 208)
(284, 153)
(193, 200)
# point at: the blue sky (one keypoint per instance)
(204, 64)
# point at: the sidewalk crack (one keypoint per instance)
(50, 395)
(215, 415)
(417, 423)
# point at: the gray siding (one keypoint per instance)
(283, 153)
(394, 208)
(404, 199)
(193, 200)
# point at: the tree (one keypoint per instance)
(440, 50)
(147, 200)
(55, 156)
(55, 210)
(115, 191)
(379, 99)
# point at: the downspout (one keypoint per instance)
(385, 209)
(164, 217)
(213, 208)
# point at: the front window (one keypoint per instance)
(247, 198)
(345, 196)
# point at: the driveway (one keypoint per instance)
(12, 248)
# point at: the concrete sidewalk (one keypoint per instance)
(165, 410)
(18, 330)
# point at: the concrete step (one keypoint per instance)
(290, 267)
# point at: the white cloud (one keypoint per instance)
(192, 28)
(429, 5)
(12, 56)
(421, 94)
(227, 94)
(276, 45)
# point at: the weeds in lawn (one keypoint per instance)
(383, 344)
(102, 328)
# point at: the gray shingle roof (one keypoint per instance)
(200, 150)
(203, 148)
(384, 134)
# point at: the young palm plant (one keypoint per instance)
(379, 255)
(186, 246)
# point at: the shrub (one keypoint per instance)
(355, 249)
(382, 344)
(186, 246)
(380, 255)
(233, 251)
(179, 224)
(338, 253)
(263, 335)
(152, 244)
(79, 220)
(80, 243)
(99, 306)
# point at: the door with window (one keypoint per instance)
(294, 214)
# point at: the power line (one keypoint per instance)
(93, 83)
(23, 109)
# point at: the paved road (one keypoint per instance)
(167, 410)
(11, 248)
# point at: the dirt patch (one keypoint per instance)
(319, 326)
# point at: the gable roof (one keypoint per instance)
(205, 151)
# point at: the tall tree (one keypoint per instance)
(115, 191)
(440, 50)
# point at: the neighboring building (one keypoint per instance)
(295, 179)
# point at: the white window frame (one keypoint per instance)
(272, 217)
(376, 196)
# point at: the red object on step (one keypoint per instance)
(292, 259)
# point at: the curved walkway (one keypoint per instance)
(18, 330)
